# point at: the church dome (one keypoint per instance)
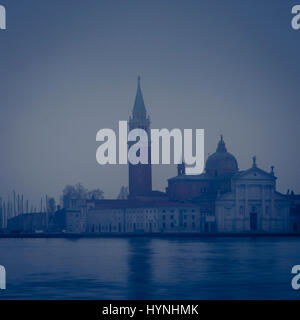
(221, 162)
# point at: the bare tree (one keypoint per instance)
(73, 194)
(96, 194)
(79, 192)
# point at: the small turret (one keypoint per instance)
(254, 162)
(221, 145)
(181, 169)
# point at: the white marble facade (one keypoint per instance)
(254, 205)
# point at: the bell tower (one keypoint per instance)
(140, 175)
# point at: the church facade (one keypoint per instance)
(253, 204)
(233, 200)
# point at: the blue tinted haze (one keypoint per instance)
(69, 68)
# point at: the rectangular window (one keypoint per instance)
(242, 209)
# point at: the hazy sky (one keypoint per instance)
(69, 68)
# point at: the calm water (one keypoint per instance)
(145, 268)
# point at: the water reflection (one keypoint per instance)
(140, 280)
(149, 268)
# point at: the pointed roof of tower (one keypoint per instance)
(139, 105)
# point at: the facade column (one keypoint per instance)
(263, 207)
(237, 212)
(272, 213)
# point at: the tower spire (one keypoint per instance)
(139, 105)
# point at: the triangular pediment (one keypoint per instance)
(254, 173)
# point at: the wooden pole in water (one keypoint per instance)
(18, 204)
(47, 207)
(8, 207)
(14, 195)
(22, 199)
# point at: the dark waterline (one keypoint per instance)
(146, 268)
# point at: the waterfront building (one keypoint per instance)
(223, 199)
(27, 223)
(233, 200)
(253, 204)
(294, 211)
(142, 216)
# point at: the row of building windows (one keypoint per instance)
(109, 228)
(184, 217)
(172, 225)
(150, 211)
